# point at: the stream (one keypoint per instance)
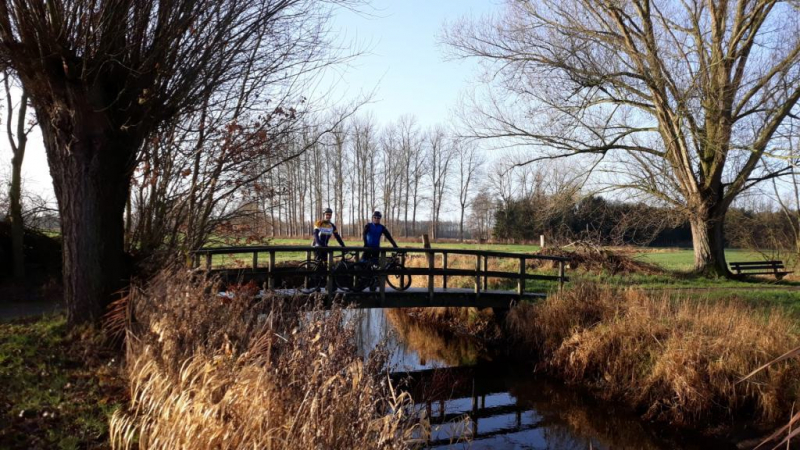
(478, 400)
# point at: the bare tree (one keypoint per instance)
(482, 210)
(103, 75)
(689, 95)
(440, 154)
(470, 162)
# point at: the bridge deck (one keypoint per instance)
(420, 297)
(434, 267)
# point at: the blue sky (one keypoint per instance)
(404, 65)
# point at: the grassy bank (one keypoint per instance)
(58, 389)
(211, 372)
(678, 361)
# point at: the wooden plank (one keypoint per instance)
(748, 263)
(304, 248)
(485, 271)
(329, 271)
(431, 266)
(271, 266)
(766, 273)
(761, 266)
(444, 266)
(477, 276)
(382, 276)
(423, 271)
(521, 279)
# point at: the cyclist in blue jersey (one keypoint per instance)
(372, 236)
(323, 230)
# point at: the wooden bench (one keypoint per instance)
(760, 268)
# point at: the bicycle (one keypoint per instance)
(394, 262)
(316, 277)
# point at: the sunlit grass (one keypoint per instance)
(675, 359)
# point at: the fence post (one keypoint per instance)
(521, 279)
(270, 269)
(477, 276)
(485, 270)
(329, 271)
(444, 266)
(382, 276)
(208, 261)
(560, 275)
(255, 260)
(431, 265)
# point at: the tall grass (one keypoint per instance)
(216, 372)
(676, 360)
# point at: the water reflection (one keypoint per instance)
(476, 402)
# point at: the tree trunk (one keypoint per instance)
(15, 191)
(15, 215)
(708, 239)
(91, 168)
(461, 226)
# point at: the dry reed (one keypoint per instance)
(221, 372)
(676, 360)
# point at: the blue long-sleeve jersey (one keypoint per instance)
(372, 235)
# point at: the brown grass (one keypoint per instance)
(595, 259)
(210, 372)
(677, 360)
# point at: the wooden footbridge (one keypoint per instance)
(282, 271)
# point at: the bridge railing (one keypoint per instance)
(480, 273)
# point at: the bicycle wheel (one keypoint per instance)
(315, 278)
(399, 282)
(344, 281)
(363, 278)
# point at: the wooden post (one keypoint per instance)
(477, 276)
(560, 275)
(255, 260)
(444, 266)
(521, 279)
(431, 266)
(308, 255)
(270, 269)
(382, 276)
(329, 272)
(485, 270)
(208, 261)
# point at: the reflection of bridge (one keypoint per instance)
(286, 280)
(452, 394)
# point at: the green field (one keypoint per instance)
(683, 259)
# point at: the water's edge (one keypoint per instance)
(469, 390)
